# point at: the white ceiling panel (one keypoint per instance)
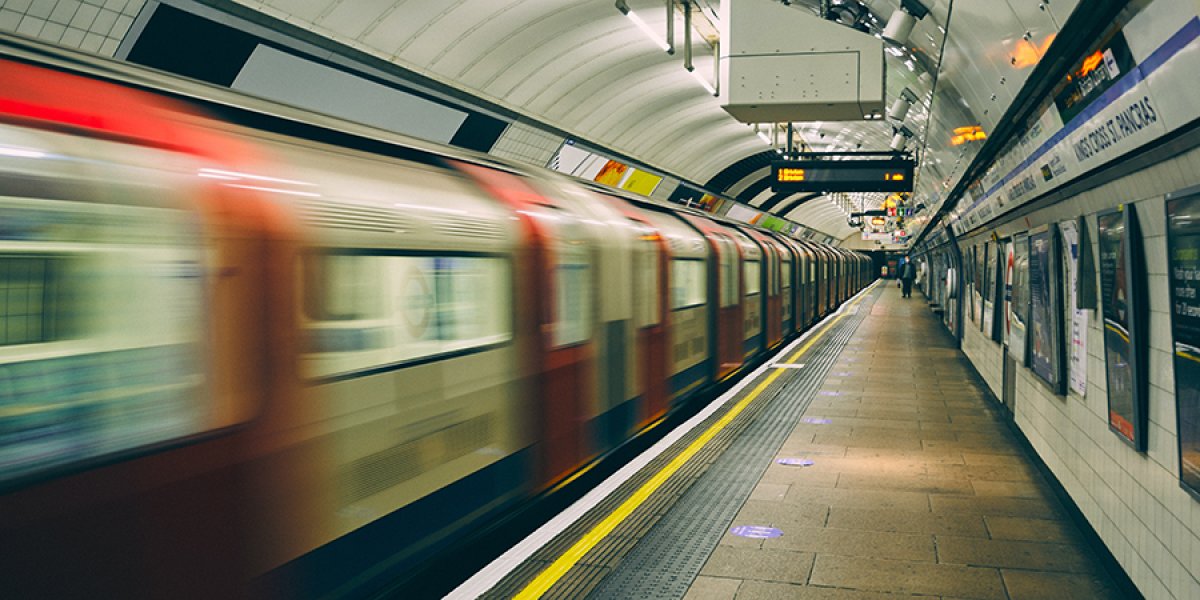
(583, 67)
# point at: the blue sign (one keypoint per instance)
(795, 462)
(756, 531)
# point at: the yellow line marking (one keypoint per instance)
(546, 579)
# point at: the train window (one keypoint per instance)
(126, 368)
(399, 308)
(688, 282)
(573, 297)
(786, 275)
(343, 287)
(647, 298)
(752, 272)
(35, 305)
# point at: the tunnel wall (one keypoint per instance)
(1133, 500)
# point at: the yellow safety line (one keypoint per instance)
(546, 579)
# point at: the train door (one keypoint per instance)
(554, 268)
(788, 307)
(755, 269)
(725, 291)
(651, 317)
(773, 315)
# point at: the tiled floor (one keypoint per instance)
(917, 489)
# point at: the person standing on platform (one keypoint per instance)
(908, 272)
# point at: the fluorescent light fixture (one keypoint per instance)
(643, 26)
(766, 140)
(704, 82)
(21, 152)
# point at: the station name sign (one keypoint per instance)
(842, 175)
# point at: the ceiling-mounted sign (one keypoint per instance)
(842, 175)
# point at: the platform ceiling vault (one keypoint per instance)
(583, 67)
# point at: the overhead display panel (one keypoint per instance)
(1183, 255)
(842, 176)
(1122, 285)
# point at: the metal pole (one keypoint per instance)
(670, 26)
(790, 141)
(687, 35)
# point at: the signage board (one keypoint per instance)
(1018, 308)
(1121, 288)
(1183, 273)
(1078, 328)
(1045, 312)
(842, 175)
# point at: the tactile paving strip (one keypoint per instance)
(680, 524)
(669, 557)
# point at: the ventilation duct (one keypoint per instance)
(782, 64)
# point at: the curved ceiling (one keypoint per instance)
(583, 67)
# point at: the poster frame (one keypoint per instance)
(1052, 280)
(997, 333)
(1192, 193)
(1136, 308)
(1020, 244)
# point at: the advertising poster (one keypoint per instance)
(641, 182)
(1183, 257)
(1078, 327)
(989, 290)
(611, 173)
(1045, 329)
(1018, 311)
(977, 256)
(1006, 294)
(1119, 306)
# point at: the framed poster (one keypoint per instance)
(1006, 325)
(1045, 308)
(977, 270)
(1122, 287)
(989, 290)
(1077, 329)
(1183, 273)
(999, 258)
(1018, 308)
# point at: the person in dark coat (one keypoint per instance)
(908, 272)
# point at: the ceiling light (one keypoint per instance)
(628, 12)
(902, 21)
(762, 136)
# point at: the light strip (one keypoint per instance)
(21, 152)
(647, 30)
(704, 82)
(762, 136)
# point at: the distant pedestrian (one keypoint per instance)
(908, 272)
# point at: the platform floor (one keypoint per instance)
(916, 488)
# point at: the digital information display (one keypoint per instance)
(1121, 286)
(842, 176)
(1183, 257)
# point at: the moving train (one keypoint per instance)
(246, 352)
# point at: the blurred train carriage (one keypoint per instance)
(236, 361)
